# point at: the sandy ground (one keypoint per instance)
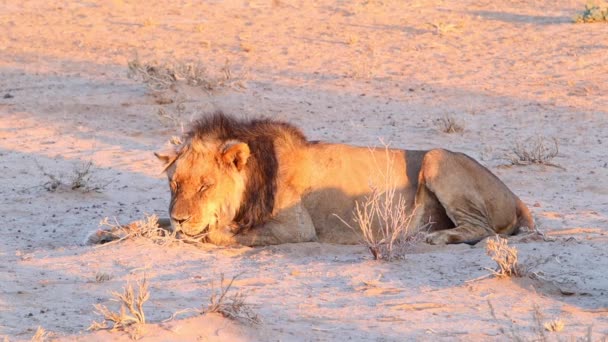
(344, 71)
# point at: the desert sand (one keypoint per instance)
(343, 71)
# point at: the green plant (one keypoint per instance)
(594, 12)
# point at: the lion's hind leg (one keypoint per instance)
(461, 234)
(465, 189)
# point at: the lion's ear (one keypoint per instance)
(166, 157)
(236, 153)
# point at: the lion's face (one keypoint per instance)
(207, 183)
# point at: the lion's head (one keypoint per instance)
(207, 184)
(224, 173)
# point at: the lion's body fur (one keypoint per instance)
(295, 190)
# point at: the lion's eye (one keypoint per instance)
(203, 187)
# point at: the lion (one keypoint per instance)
(261, 182)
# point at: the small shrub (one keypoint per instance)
(594, 13)
(384, 221)
(505, 258)
(231, 306)
(81, 179)
(539, 150)
(82, 176)
(449, 124)
(131, 317)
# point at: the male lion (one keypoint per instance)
(261, 182)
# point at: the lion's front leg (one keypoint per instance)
(290, 225)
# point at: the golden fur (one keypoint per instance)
(261, 182)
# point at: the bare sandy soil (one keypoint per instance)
(344, 71)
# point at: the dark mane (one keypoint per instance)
(261, 135)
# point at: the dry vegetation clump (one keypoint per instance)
(383, 218)
(448, 124)
(555, 325)
(231, 306)
(148, 228)
(101, 277)
(81, 179)
(443, 28)
(131, 317)
(41, 335)
(505, 257)
(539, 150)
(164, 76)
(594, 12)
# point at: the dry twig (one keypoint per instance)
(231, 306)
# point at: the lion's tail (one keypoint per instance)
(524, 217)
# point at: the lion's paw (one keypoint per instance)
(101, 236)
(437, 238)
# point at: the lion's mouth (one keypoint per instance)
(190, 229)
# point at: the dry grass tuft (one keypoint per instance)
(539, 150)
(555, 325)
(147, 228)
(231, 306)
(443, 28)
(81, 178)
(594, 12)
(448, 124)
(41, 335)
(383, 218)
(131, 317)
(505, 258)
(164, 76)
